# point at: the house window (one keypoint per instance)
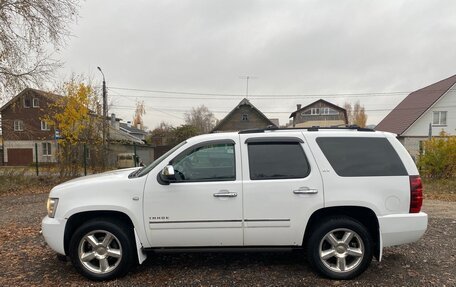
(315, 111)
(328, 111)
(46, 149)
(244, 117)
(36, 102)
(44, 126)
(18, 125)
(439, 118)
(27, 102)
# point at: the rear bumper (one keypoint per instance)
(398, 229)
(53, 232)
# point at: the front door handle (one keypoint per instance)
(225, 193)
(305, 190)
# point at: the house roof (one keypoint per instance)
(413, 106)
(122, 136)
(244, 102)
(131, 129)
(48, 95)
(293, 114)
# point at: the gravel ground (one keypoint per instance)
(27, 261)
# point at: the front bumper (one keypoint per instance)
(398, 229)
(53, 231)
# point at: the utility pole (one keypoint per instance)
(105, 118)
(105, 105)
(247, 78)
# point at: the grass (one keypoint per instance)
(15, 181)
(440, 189)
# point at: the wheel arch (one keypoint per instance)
(364, 215)
(77, 219)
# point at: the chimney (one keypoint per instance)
(138, 126)
(113, 120)
(129, 124)
(298, 106)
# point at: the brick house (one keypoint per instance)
(319, 113)
(23, 127)
(244, 116)
(423, 113)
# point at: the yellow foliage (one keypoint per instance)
(72, 116)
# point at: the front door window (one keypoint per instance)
(209, 162)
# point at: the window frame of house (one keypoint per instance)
(439, 122)
(314, 111)
(27, 100)
(18, 125)
(45, 126)
(244, 117)
(46, 149)
(36, 102)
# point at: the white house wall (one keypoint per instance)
(446, 103)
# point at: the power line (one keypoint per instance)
(391, 93)
(280, 112)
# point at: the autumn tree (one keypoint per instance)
(356, 114)
(76, 116)
(161, 134)
(438, 159)
(166, 134)
(140, 111)
(181, 133)
(201, 118)
(28, 28)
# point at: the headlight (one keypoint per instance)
(52, 206)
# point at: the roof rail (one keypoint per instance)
(253, 131)
(310, 129)
(347, 127)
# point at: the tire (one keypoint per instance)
(339, 248)
(102, 250)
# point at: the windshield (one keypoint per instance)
(151, 166)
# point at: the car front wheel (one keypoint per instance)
(102, 250)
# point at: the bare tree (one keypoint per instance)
(356, 114)
(201, 118)
(27, 29)
(140, 111)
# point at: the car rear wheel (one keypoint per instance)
(102, 250)
(340, 248)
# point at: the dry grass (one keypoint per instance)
(15, 181)
(440, 189)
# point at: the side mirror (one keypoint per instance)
(167, 174)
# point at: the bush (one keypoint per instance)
(439, 157)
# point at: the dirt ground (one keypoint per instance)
(27, 261)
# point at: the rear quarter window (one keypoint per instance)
(356, 156)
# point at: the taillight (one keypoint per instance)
(416, 194)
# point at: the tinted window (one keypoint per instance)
(361, 156)
(209, 162)
(277, 161)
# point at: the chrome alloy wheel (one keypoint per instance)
(100, 251)
(341, 250)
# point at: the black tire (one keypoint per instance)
(98, 230)
(335, 252)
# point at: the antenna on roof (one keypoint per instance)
(247, 78)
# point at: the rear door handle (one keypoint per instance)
(225, 193)
(305, 190)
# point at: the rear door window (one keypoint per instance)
(276, 160)
(355, 156)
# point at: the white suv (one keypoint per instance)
(340, 194)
